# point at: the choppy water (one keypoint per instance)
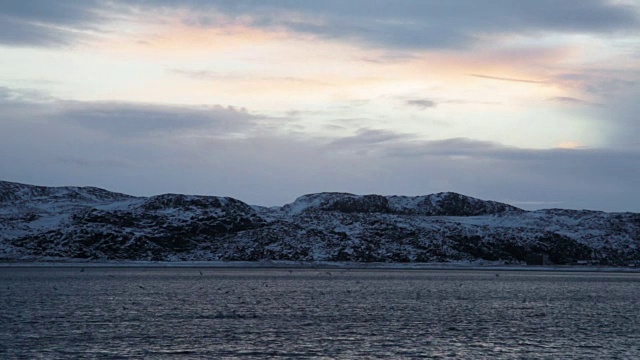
(245, 313)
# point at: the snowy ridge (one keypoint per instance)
(89, 223)
(440, 204)
(16, 193)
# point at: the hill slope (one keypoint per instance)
(83, 222)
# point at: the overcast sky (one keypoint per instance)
(533, 103)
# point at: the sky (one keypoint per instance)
(532, 103)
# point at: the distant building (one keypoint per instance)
(538, 259)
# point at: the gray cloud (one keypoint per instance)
(19, 33)
(95, 162)
(622, 113)
(10, 95)
(127, 119)
(579, 178)
(48, 23)
(616, 108)
(605, 82)
(368, 138)
(20, 104)
(54, 12)
(273, 167)
(447, 147)
(422, 103)
(431, 23)
(272, 170)
(395, 24)
(570, 100)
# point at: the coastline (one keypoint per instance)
(313, 265)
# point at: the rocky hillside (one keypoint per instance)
(40, 223)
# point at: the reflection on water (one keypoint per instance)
(214, 313)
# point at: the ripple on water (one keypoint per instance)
(213, 313)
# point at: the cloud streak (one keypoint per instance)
(570, 100)
(422, 103)
(432, 23)
(397, 24)
(500, 78)
(367, 138)
(127, 119)
(49, 23)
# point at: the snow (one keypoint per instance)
(305, 202)
(304, 228)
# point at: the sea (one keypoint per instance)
(243, 313)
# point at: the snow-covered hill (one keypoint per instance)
(83, 222)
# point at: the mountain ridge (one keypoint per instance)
(39, 222)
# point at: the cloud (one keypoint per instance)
(616, 91)
(429, 23)
(407, 147)
(570, 100)
(48, 23)
(23, 105)
(622, 114)
(508, 79)
(422, 103)
(18, 33)
(207, 75)
(109, 145)
(54, 12)
(129, 119)
(368, 137)
(393, 24)
(11, 95)
(604, 82)
(95, 162)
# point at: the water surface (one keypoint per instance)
(243, 313)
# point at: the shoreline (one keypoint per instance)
(313, 265)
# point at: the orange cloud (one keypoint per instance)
(570, 145)
(274, 68)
